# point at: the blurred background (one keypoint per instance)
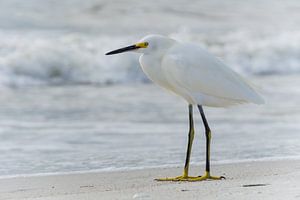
(64, 106)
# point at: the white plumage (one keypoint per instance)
(193, 73)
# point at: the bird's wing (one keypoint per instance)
(198, 71)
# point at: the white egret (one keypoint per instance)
(200, 78)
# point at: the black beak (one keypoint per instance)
(129, 48)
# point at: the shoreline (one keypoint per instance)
(127, 169)
(248, 180)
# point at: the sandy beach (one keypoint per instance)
(76, 124)
(249, 180)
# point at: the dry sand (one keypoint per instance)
(251, 180)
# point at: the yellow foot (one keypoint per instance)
(206, 176)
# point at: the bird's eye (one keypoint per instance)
(146, 44)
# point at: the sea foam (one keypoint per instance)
(43, 58)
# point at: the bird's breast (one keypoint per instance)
(151, 66)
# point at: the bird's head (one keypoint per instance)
(147, 45)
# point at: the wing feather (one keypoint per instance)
(198, 71)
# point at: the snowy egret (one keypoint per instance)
(200, 78)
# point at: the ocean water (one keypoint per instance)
(67, 107)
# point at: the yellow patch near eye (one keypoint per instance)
(142, 44)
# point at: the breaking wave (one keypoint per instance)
(67, 58)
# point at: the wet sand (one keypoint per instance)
(249, 180)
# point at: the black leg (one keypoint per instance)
(185, 176)
(208, 138)
(190, 142)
